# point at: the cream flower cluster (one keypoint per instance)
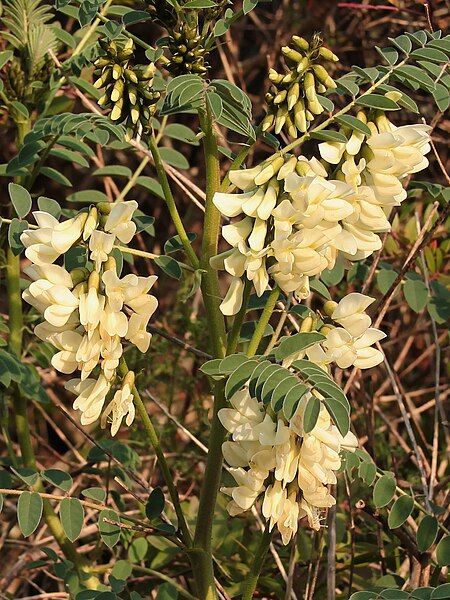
(88, 313)
(296, 219)
(275, 459)
(350, 341)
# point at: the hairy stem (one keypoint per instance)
(256, 566)
(155, 442)
(201, 558)
(170, 202)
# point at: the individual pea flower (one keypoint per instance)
(121, 406)
(91, 394)
(51, 238)
(119, 220)
(350, 312)
(293, 100)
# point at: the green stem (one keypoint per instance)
(154, 441)
(211, 230)
(150, 255)
(201, 556)
(233, 336)
(170, 202)
(256, 566)
(263, 321)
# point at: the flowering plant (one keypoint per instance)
(278, 233)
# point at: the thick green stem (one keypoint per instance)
(201, 557)
(256, 566)
(263, 321)
(154, 441)
(211, 230)
(170, 202)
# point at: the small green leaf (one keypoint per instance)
(95, 493)
(239, 377)
(174, 243)
(296, 343)
(367, 471)
(385, 279)
(155, 504)
(113, 171)
(88, 197)
(71, 514)
(328, 135)
(339, 414)
(136, 16)
(400, 511)
(354, 123)
(122, 568)
(182, 133)
(174, 158)
(230, 363)
(211, 367)
(58, 478)
(384, 490)
(311, 414)
(377, 101)
(169, 265)
(443, 552)
(426, 532)
(320, 288)
(20, 198)
(196, 4)
(416, 294)
(28, 476)
(413, 73)
(29, 512)
(432, 54)
(56, 176)
(15, 230)
(292, 399)
(50, 206)
(137, 550)
(109, 532)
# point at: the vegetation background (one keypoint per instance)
(395, 412)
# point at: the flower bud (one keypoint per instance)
(329, 307)
(129, 379)
(307, 324)
(301, 43)
(91, 223)
(94, 280)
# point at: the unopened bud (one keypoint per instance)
(104, 208)
(94, 280)
(129, 379)
(300, 42)
(269, 171)
(329, 307)
(110, 264)
(307, 324)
